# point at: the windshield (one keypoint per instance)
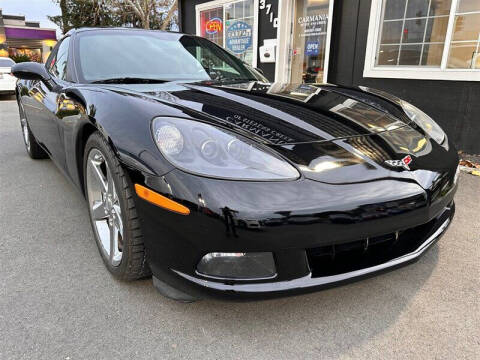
(135, 55)
(6, 62)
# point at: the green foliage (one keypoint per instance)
(114, 13)
(80, 13)
(20, 58)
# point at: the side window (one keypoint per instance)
(58, 64)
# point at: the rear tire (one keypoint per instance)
(34, 150)
(113, 215)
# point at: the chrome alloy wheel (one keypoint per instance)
(26, 135)
(25, 131)
(104, 207)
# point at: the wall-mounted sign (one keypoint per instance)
(213, 26)
(239, 37)
(312, 48)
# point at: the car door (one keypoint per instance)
(43, 104)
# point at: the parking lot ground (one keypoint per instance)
(57, 300)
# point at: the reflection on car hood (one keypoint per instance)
(332, 134)
(284, 113)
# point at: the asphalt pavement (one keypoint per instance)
(57, 300)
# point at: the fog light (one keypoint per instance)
(239, 266)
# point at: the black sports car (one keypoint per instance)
(198, 171)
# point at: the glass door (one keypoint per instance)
(310, 41)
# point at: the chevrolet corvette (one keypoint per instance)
(200, 173)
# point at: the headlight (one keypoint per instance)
(206, 150)
(424, 121)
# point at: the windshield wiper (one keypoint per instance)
(130, 80)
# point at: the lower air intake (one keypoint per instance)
(342, 258)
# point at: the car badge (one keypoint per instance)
(405, 162)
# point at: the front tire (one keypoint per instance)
(34, 150)
(112, 212)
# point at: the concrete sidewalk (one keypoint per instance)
(58, 301)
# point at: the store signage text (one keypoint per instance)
(312, 18)
(313, 25)
(239, 37)
(312, 48)
(213, 26)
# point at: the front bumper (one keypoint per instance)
(290, 219)
(314, 283)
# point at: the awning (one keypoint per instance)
(32, 34)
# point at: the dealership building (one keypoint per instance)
(424, 51)
(21, 37)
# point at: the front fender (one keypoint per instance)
(124, 121)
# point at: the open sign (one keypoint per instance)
(312, 48)
(213, 26)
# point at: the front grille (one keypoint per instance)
(342, 258)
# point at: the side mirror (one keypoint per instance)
(30, 71)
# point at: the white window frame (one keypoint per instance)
(217, 3)
(412, 72)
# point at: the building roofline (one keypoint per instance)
(13, 17)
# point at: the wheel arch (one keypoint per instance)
(81, 141)
(85, 129)
(82, 137)
(110, 113)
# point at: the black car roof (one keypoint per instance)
(126, 29)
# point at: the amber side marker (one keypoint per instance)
(160, 200)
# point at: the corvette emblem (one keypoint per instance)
(405, 162)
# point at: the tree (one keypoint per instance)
(147, 14)
(172, 16)
(152, 14)
(64, 10)
(81, 13)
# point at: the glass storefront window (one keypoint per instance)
(424, 39)
(309, 41)
(239, 29)
(465, 46)
(466, 6)
(32, 54)
(211, 25)
(413, 32)
(230, 25)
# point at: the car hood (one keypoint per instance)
(332, 134)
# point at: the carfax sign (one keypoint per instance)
(239, 37)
